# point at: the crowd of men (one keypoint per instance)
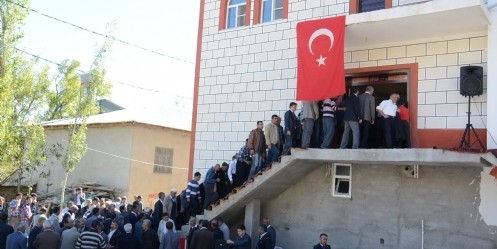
(355, 116)
(100, 223)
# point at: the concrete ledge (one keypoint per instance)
(437, 18)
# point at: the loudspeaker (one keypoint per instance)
(471, 81)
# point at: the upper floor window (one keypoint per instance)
(272, 10)
(163, 160)
(359, 6)
(237, 10)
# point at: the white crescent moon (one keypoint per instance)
(318, 33)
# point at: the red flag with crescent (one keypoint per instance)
(320, 49)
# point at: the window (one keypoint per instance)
(234, 13)
(359, 6)
(342, 180)
(272, 10)
(163, 160)
(237, 10)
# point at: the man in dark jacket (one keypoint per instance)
(292, 129)
(17, 239)
(158, 209)
(323, 242)
(47, 239)
(5, 229)
(150, 237)
(33, 233)
(243, 241)
(203, 238)
(193, 227)
(265, 239)
(128, 240)
(352, 119)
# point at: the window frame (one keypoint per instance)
(237, 14)
(354, 6)
(273, 10)
(160, 168)
(258, 11)
(338, 178)
(223, 14)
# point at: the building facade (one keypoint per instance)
(246, 71)
(135, 152)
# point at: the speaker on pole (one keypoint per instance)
(471, 85)
(471, 81)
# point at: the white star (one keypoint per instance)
(321, 60)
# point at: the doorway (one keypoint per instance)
(385, 81)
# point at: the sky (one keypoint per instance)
(166, 26)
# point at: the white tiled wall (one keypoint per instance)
(249, 73)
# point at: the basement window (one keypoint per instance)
(163, 160)
(342, 180)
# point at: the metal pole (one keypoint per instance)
(422, 234)
(469, 121)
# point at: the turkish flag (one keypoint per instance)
(320, 48)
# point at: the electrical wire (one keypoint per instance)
(117, 156)
(100, 34)
(110, 80)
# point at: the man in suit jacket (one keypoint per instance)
(70, 236)
(243, 241)
(292, 126)
(35, 231)
(203, 238)
(368, 115)
(114, 234)
(323, 242)
(193, 227)
(352, 119)
(270, 231)
(48, 239)
(17, 240)
(265, 238)
(5, 229)
(150, 237)
(128, 240)
(158, 210)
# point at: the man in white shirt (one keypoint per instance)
(387, 110)
(232, 171)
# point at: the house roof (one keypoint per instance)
(108, 106)
(170, 117)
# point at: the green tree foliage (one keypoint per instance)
(23, 93)
(29, 95)
(78, 100)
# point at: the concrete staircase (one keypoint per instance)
(291, 169)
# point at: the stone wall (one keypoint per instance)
(386, 205)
